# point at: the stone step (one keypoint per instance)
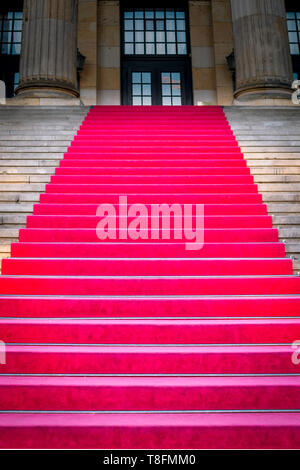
(19, 197)
(31, 156)
(16, 208)
(270, 143)
(27, 171)
(29, 163)
(26, 149)
(281, 197)
(24, 138)
(33, 143)
(280, 187)
(13, 219)
(22, 187)
(280, 162)
(274, 150)
(277, 178)
(282, 208)
(287, 170)
(283, 219)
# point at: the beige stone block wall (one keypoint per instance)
(109, 53)
(223, 46)
(202, 49)
(87, 45)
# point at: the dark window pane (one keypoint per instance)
(139, 14)
(170, 25)
(182, 49)
(170, 14)
(180, 24)
(18, 15)
(177, 101)
(17, 37)
(136, 101)
(136, 77)
(146, 77)
(136, 89)
(5, 48)
(139, 36)
(171, 48)
(128, 25)
(150, 49)
(180, 14)
(149, 14)
(149, 36)
(16, 49)
(291, 25)
(166, 90)
(160, 48)
(139, 49)
(160, 25)
(160, 36)
(147, 101)
(171, 37)
(128, 36)
(175, 77)
(159, 14)
(293, 37)
(18, 25)
(166, 77)
(139, 25)
(129, 49)
(147, 90)
(149, 25)
(166, 101)
(290, 15)
(181, 36)
(294, 49)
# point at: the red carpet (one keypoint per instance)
(142, 343)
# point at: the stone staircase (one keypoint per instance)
(32, 141)
(270, 140)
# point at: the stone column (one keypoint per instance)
(49, 48)
(262, 54)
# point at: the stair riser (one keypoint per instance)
(52, 360)
(89, 235)
(143, 286)
(149, 172)
(143, 398)
(157, 436)
(81, 307)
(151, 188)
(48, 221)
(91, 209)
(159, 198)
(149, 163)
(127, 179)
(70, 267)
(140, 250)
(150, 332)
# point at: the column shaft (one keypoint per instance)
(49, 47)
(262, 55)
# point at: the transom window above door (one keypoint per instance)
(157, 31)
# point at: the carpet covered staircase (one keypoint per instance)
(142, 343)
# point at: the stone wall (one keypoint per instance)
(108, 84)
(202, 48)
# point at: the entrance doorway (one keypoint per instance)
(156, 65)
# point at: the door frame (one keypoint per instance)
(180, 63)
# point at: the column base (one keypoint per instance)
(263, 97)
(45, 96)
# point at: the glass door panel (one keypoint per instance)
(171, 90)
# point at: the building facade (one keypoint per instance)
(149, 53)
